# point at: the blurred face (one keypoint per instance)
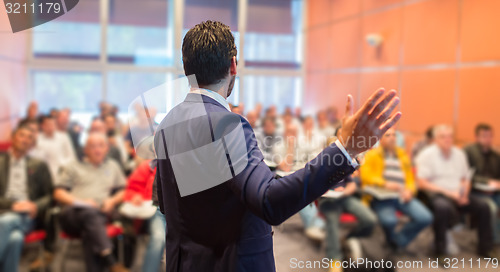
(322, 119)
(110, 122)
(485, 138)
(332, 114)
(105, 108)
(269, 127)
(96, 148)
(32, 110)
(63, 119)
(287, 118)
(444, 139)
(388, 140)
(272, 112)
(237, 110)
(290, 131)
(308, 124)
(252, 118)
(49, 126)
(98, 126)
(23, 140)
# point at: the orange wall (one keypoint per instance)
(12, 75)
(443, 56)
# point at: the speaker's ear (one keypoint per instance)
(27, 14)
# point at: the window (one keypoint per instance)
(141, 33)
(76, 34)
(273, 35)
(142, 47)
(80, 91)
(124, 87)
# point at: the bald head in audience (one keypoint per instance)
(97, 126)
(443, 137)
(252, 117)
(96, 148)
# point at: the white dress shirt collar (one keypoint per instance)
(215, 96)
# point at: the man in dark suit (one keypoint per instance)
(486, 178)
(219, 197)
(25, 195)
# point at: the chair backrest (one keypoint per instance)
(4, 146)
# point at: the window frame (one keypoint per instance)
(103, 65)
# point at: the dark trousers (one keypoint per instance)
(447, 213)
(90, 225)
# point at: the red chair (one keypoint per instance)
(112, 230)
(4, 146)
(36, 237)
(347, 218)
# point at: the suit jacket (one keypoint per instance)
(228, 227)
(477, 161)
(39, 183)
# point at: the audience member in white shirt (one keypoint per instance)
(310, 142)
(53, 147)
(443, 174)
(324, 126)
(291, 154)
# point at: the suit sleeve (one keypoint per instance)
(275, 200)
(159, 191)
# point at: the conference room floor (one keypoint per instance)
(289, 242)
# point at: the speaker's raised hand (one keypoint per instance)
(361, 130)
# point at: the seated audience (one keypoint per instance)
(252, 118)
(291, 154)
(267, 138)
(423, 143)
(25, 196)
(325, 129)
(237, 109)
(388, 167)
(485, 163)
(32, 111)
(112, 128)
(310, 142)
(69, 129)
(332, 114)
(52, 146)
(98, 126)
(332, 208)
(443, 174)
(89, 192)
(140, 187)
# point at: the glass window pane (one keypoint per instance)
(124, 87)
(80, 91)
(141, 33)
(197, 11)
(272, 90)
(273, 36)
(76, 34)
